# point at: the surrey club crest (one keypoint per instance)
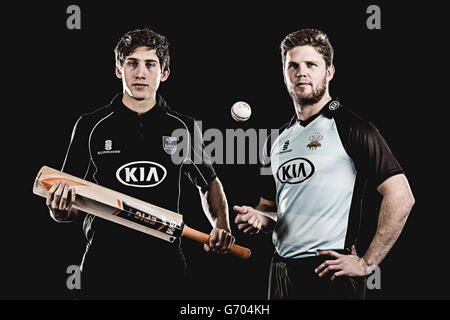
(315, 138)
(170, 144)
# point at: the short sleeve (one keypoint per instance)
(371, 154)
(77, 159)
(200, 170)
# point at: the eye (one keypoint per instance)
(311, 64)
(151, 64)
(293, 65)
(132, 63)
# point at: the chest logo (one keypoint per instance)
(108, 145)
(108, 148)
(295, 171)
(286, 145)
(314, 141)
(141, 174)
(170, 144)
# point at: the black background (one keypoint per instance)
(221, 53)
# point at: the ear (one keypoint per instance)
(165, 75)
(118, 72)
(330, 72)
(284, 75)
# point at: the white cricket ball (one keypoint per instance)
(241, 111)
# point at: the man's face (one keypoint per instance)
(141, 74)
(306, 75)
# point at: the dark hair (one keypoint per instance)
(308, 37)
(143, 38)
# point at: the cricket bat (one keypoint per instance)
(125, 210)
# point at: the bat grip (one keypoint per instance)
(201, 237)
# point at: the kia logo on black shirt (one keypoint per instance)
(295, 171)
(141, 174)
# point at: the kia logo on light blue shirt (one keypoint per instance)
(295, 171)
(141, 174)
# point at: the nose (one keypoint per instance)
(301, 71)
(141, 71)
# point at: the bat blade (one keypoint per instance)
(123, 209)
(114, 206)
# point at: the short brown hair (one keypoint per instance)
(143, 38)
(308, 37)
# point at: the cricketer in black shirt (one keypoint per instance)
(138, 146)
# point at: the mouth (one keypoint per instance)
(303, 84)
(139, 85)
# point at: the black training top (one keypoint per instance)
(143, 156)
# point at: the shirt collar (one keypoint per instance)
(161, 106)
(327, 110)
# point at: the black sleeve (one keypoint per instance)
(370, 152)
(77, 159)
(77, 162)
(200, 170)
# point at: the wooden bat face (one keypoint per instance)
(114, 206)
(125, 210)
(150, 220)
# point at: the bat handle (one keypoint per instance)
(201, 237)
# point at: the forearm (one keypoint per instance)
(215, 205)
(66, 217)
(269, 216)
(394, 212)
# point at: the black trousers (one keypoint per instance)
(114, 270)
(295, 279)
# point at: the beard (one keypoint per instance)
(304, 99)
